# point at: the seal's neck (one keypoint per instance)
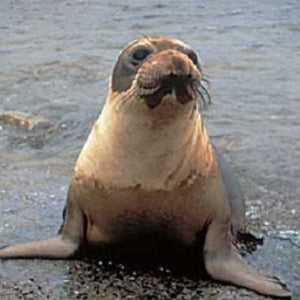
(154, 149)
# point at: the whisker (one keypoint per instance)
(206, 80)
(202, 101)
(204, 95)
(206, 92)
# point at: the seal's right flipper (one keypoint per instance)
(224, 263)
(65, 245)
(57, 247)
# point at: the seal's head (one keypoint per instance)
(155, 68)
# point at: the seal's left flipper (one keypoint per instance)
(224, 263)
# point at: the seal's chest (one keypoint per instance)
(175, 214)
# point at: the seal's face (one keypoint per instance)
(158, 66)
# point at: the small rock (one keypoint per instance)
(23, 121)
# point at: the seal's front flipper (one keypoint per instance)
(224, 263)
(65, 245)
(57, 247)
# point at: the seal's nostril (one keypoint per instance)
(175, 78)
(177, 64)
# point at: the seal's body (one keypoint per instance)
(148, 165)
(148, 171)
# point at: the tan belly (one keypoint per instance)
(114, 215)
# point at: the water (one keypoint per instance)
(55, 59)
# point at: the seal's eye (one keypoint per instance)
(193, 56)
(140, 54)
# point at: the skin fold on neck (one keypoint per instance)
(132, 145)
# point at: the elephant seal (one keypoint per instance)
(148, 164)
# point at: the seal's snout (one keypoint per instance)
(168, 72)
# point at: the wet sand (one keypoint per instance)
(55, 59)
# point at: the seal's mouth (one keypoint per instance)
(170, 72)
(182, 87)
